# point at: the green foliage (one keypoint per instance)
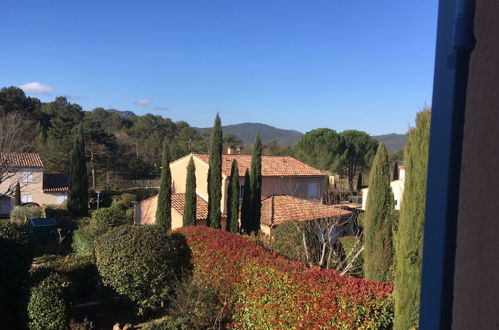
(409, 242)
(22, 214)
(17, 195)
(78, 178)
(215, 176)
(196, 307)
(142, 263)
(359, 183)
(377, 220)
(396, 171)
(16, 255)
(83, 240)
(321, 148)
(246, 210)
(288, 241)
(232, 224)
(164, 210)
(256, 185)
(189, 216)
(350, 245)
(359, 151)
(49, 304)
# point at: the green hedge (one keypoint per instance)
(142, 263)
(16, 255)
(49, 304)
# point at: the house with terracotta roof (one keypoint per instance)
(36, 186)
(281, 176)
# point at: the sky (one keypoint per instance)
(355, 64)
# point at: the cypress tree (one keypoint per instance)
(359, 183)
(246, 209)
(17, 195)
(409, 237)
(78, 177)
(256, 184)
(377, 220)
(215, 176)
(164, 209)
(189, 217)
(233, 199)
(396, 171)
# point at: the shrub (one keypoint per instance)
(83, 240)
(142, 263)
(22, 214)
(196, 307)
(104, 219)
(129, 197)
(288, 241)
(350, 245)
(16, 255)
(268, 291)
(79, 269)
(49, 304)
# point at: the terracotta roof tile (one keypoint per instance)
(178, 201)
(271, 165)
(21, 159)
(55, 182)
(278, 209)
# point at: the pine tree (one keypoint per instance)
(17, 195)
(396, 171)
(359, 183)
(164, 209)
(409, 236)
(78, 177)
(377, 220)
(233, 199)
(256, 184)
(215, 176)
(246, 209)
(189, 217)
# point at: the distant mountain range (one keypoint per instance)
(247, 133)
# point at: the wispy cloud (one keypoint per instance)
(161, 108)
(142, 102)
(38, 88)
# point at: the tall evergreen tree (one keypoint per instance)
(189, 218)
(246, 209)
(233, 199)
(215, 175)
(377, 220)
(359, 183)
(256, 184)
(17, 195)
(409, 236)
(396, 171)
(78, 177)
(164, 209)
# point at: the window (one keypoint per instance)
(27, 177)
(312, 189)
(26, 198)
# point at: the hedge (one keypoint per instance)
(266, 290)
(49, 304)
(142, 263)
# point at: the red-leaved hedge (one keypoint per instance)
(266, 290)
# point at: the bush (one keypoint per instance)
(16, 255)
(288, 241)
(79, 269)
(83, 240)
(196, 307)
(49, 304)
(22, 214)
(350, 245)
(266, 290)
(105, 219)
(142, 263)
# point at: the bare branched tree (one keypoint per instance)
(13, 139)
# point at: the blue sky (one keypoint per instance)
(300, 65)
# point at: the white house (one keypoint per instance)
(397, 189)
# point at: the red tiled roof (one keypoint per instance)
(278, 209)
(178, 201)
(21, 159)
(271, 165)
(55, 182)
